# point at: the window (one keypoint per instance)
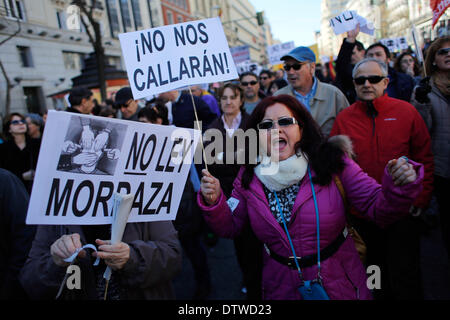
(113, 18)
(126, 18)
(114, 61)
(61, 19)
(14, 9)
(25, 56)
(136, 14)
(179, 18)
(73, 60)
(169, 17)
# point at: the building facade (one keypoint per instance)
(50, 43)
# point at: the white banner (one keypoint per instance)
(395, 44)
(240, 54)
(84, 159)
(277, 51)
(169, 57)
(348, 20)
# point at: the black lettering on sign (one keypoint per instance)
(139, 197)
(158, 186)
(166, 200)
(347, 18)
(138, 151)
(103, 199)
(203, 39)
(58, 201)
(159, 167)
(88, 184)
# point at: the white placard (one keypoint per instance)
(240, 54)
(395, 44)
(348, 20)
(170, 57)
(84, 159)
(277, 51)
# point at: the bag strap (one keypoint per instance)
(340, 187)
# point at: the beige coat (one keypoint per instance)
(325, 105)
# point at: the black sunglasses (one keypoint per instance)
(282, 122)
(443, 51)
(14, 122)
(263, 78)
(372, 79)
(247, 83)
(296, 66)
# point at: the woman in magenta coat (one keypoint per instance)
(291, 140)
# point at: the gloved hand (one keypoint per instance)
(101, 140)
(70, 147)
(423, 90)
(87, 138)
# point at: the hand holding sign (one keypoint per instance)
(210, 188)
(115, 255)
(352, 34)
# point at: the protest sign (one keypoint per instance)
(84, 159)
(417, 48)
(240, 54)
(249, 66)
(348, 21)
(169, 57)
(276, 51)
(390, 43)
(395, 44)
(402, 44)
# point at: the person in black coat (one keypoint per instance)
(351, 52)
(248, 247)
(182, 109)
(19, 153)
(400, 84)
(16, 236)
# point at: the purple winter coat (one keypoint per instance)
(343, 273)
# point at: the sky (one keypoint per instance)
(291, 20)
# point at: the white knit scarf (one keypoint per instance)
(290, 171)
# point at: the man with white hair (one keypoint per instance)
(383, 128)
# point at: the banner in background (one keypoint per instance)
(438, 7)
(240, 54)
(276, 51)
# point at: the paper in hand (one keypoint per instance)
(121, 210)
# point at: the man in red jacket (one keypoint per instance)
(383, 128)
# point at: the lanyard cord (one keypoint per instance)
(317, 222)
(318, 229)
(289, 237)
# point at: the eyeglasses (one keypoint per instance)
(14, 122)
(244, 84)
(443, 51)
(264, 78)
(282, 122)
(296, 66)
(372, 79)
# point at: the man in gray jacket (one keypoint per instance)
(324, 101)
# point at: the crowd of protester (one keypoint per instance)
(397, 116)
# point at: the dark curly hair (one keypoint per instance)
(325, 159)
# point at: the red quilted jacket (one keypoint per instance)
(398, 130)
